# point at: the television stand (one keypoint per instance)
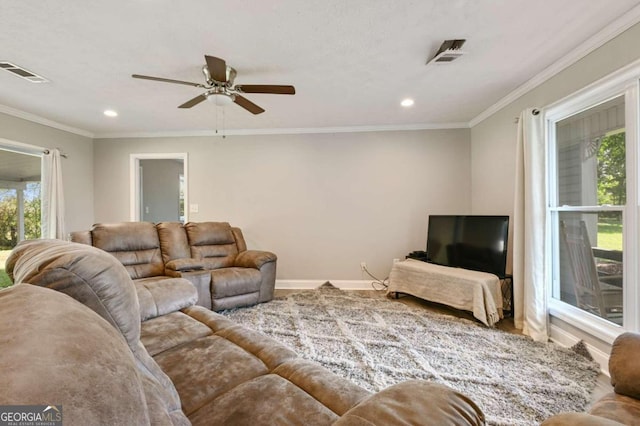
(478, 292)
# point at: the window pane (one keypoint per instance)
(590, 149)
(590, 262)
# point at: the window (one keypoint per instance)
(20, 204)
(592, 170)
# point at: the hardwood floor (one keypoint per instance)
(603, 385)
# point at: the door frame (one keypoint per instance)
(135, 183)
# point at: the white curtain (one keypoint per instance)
(529, 291)
(52, 196)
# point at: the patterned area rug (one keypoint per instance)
(376, 342)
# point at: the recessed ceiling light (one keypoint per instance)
(407, 102)
(110, 113)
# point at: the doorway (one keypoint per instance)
(159, 187)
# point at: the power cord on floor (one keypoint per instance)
(378, 282)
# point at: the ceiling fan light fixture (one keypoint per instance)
(220, 89)
(220, 99)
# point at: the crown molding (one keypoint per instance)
(286, 131)
(609, 32)
(44, 121)
(231, 132)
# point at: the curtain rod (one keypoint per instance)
(62, 154)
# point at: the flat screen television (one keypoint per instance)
(478, 243)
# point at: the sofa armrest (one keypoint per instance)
(254, 259)
(162, 295)
(624, 365)
(414, 402)
(183, 265)
(581, 419)
(201, 280)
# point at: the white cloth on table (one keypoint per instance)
(478, 292)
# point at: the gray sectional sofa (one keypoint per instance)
(213, 256)
(72, 335)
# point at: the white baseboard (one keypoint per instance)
(311, 284)
(563, 338)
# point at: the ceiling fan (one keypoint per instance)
(219, 78)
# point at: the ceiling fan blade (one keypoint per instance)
(166, 80)
(217, 68)
(247, 104)
(266, 88)
(193, 102)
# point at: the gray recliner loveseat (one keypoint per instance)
(213, 256)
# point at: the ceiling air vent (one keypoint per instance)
(22, 73)
(449, 51)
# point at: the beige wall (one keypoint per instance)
(77, 173)
(493, 140)
(322, 202)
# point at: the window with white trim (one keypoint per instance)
(592, 206)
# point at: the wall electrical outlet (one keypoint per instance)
(193, 208)
(363, 266)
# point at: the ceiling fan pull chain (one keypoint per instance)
(217, 120)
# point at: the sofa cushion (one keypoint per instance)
(333, 391)
(205, 368)
(274, 401)
(89, 275)
(229, 282)
(233, 302)
(81, 361)
(209, 233)
(212, 242)
(173, 241)
(171, 330)
(134, 244)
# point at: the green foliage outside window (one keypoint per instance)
(9, 215)
(612, 188)
(9, 222)
(612, 176)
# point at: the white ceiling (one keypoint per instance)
(351, 61)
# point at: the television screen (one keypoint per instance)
(478, 243)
